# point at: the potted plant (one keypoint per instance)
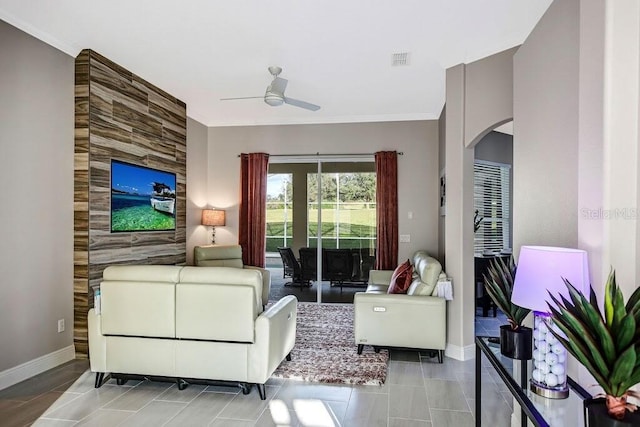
(515, 339)
(607, 345)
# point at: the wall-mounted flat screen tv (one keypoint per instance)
(142, 199)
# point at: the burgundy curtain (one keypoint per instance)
(387, 210)
(253, 207)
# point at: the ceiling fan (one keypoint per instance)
(274, 96)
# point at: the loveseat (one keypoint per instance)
(189, 323)
(230, 256)
(416, 319)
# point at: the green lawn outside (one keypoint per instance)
(352, 216)
(354, 223)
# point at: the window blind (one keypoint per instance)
(491, 200)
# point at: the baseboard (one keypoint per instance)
(460, 353)
(34, 367)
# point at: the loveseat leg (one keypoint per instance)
(261, 392)
(121, 381)
(440, 356)
(99, 379)
(360, 347)
(288, 357)
(182, 384)
(376, 349)
(245, 387)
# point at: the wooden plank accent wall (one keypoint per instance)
(120, 116)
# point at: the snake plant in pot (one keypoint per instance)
(515, 339)
(607, 345)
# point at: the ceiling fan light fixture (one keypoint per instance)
(273, 99)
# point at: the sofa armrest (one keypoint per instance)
(380, 277)
(97, 343)
(266, 282)
(398, 320)
(275, 331)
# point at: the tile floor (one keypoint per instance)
(418, 392)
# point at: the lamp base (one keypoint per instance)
(549, 393)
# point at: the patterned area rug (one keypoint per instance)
(326, 352)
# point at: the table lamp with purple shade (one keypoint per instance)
(540, 271)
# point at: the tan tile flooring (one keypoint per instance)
(418, 392)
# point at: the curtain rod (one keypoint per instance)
(400, 153)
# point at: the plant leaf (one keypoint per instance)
(498, 282)
(608, 298)
(599, 330)
(633, 305)
(626, 332)
(578, 334)
(619, 310)
(581, 353)
(622, 370)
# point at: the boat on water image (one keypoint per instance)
(163, 198)
(164, 204)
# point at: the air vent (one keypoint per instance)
(400, 59)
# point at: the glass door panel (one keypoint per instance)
(279, 211)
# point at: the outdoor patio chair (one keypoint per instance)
(338, 266)
(309, 263)
(290, 264)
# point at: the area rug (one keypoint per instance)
(325, 349)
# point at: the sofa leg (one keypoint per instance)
(245, 387)
(440, 356)
(360, 347)
(182, 384)
(261, 391)
(376, 349)
(288, 357)
(99, 379)
(121, 381)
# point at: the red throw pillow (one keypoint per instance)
(401, 278)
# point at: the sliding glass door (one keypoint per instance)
(325, 212)
(348, 210)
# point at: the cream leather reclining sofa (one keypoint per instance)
(189, 323)
(415, 320)
(230, 256)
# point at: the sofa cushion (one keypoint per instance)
(122, 289)
(401, 278)
(218, 256)
(226, 276)
(429, 270)
(376, 288)
(218, 312)
(143, 273)
(137, 308)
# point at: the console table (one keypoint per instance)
(540, 411)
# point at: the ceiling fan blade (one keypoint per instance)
(278, 85)
(244, 97)
(301, 104)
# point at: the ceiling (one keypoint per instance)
(336, 54)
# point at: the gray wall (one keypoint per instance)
(36, 169)
(196, 186)
(442, 151)
(546, 131)
(479, 97)
(417, 169)
(488, 100)
(495, 147)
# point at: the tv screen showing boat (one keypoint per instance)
(142, 199)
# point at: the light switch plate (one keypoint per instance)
(405, 238)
